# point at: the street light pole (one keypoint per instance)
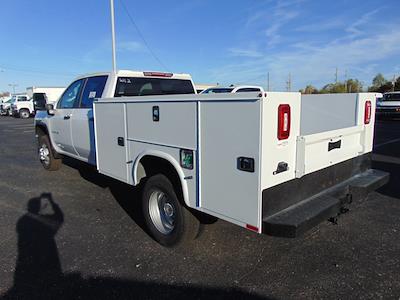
(13, 85)
(114, 60)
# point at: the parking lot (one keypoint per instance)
(93, 244)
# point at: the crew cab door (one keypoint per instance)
(60, 124)
(82, 121)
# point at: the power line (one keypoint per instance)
(141, 36)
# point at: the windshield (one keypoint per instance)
(131, 86)
(391, 97)
(217, 90)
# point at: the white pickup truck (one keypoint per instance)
(274, 163)
(37, 99)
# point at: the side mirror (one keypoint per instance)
(50, 109)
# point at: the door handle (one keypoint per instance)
(67, 117)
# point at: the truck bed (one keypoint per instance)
(244, 171)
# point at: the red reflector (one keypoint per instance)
(252, 228)
(158, 74)
(367, 112)
(283, 121)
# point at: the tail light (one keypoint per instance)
(283, 121)
(367, 112)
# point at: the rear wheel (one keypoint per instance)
(24, 114)
(169, 222)
(46, 155)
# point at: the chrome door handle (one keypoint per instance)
(67, 117)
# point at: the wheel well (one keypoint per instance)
(151, 165)
(41, 130)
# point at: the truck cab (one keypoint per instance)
(68, 125)
(21, 106)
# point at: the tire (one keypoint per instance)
(169, 222)
(24, 114)
(46, 155)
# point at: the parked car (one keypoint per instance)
(5, 107)
(388, 106)
(233, 89)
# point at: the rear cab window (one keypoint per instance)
(143, 86)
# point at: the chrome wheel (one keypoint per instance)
(24, 114)
(162, 212)
(44, 154)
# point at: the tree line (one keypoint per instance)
(379, 84)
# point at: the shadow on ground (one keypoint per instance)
(38, 273)
(128, 197)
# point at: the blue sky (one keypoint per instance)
(48, 43)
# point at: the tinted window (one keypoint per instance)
(245, 90)
(391, 97)
(93, 89)
(218, 90)
(131, 86)
(22, 98)
(71, 95)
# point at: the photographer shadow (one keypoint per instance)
(38, 273)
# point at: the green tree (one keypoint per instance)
(397, 84)
(379, 80)
(353, 86)
(309, 90)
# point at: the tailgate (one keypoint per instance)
(351, 134)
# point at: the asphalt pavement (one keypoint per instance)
(76, 234)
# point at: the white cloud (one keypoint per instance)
(130, 46)
(315, 64)
(245, 52)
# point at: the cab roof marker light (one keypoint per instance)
(158, 74)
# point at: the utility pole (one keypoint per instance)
(114, 59)
(393, 82)
(345, 81)
(13, 85)
(336, 75)
(268, 86)
(289, 83)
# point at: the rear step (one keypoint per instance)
(300, 217)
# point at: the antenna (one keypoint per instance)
(114, 59)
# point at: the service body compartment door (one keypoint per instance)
(230, 159)
(111, 144)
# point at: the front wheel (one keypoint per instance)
(46, 156)
(169, 222)
(24, 114)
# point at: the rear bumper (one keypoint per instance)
(294, 207)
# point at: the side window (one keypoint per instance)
(246, 90)
(93, 89)
(70, 97)
(22, 99)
